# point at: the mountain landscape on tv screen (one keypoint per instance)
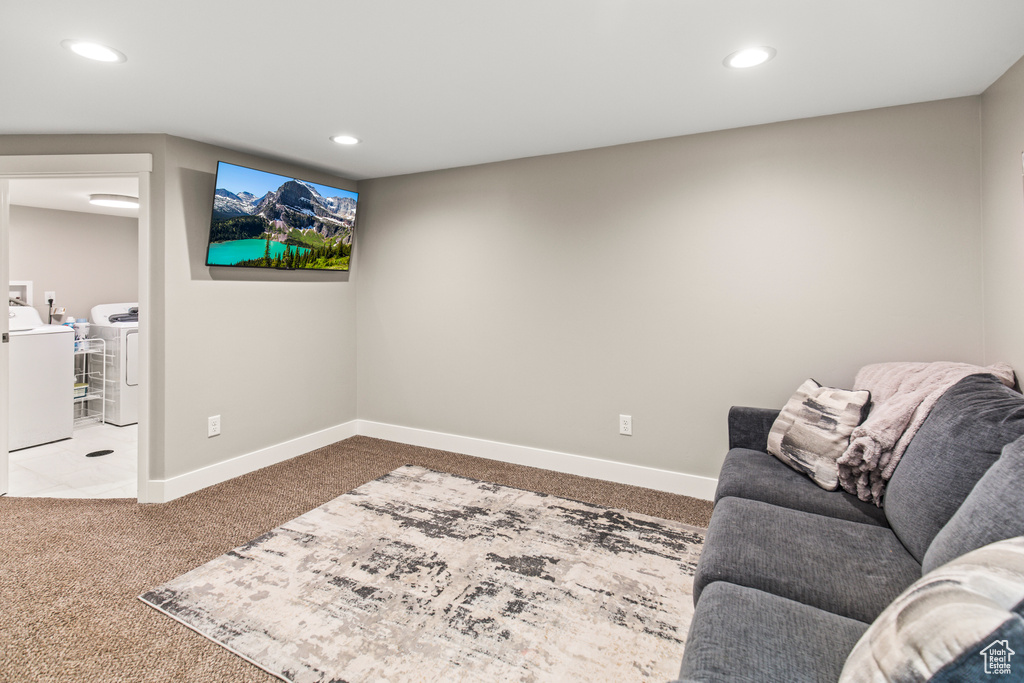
(291, 227)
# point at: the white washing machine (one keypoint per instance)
(118, 324)
(42, 380)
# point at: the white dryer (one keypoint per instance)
(118, 325)
(42, 380)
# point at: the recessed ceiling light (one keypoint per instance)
(345, 140)
(751, 56)
(116, 201)
(100, 53)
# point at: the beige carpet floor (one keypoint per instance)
(71, 570)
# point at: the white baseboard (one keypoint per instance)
(163, 490)
(608, 470)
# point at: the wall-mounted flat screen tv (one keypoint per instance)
(265, 220)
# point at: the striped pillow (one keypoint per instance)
(814, 429)
(961, 622)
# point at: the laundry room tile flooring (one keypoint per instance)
(62, 470)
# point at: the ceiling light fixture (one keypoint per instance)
(94, 51)
(345, 140)
(116, 201)
(748, 57)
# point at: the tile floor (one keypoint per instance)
(61, 470)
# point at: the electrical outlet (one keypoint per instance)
(213, 426)
(51, 296)
(626, 425)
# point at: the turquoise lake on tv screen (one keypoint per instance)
(230, 253)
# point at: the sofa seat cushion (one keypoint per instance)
(747, 635)
(962, 437)
(962, 622)
(757, 475)
(848, 568)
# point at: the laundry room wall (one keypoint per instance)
(87, 259)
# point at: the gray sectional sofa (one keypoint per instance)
(792, 575)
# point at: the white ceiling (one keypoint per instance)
(445, 83)
(72, 194)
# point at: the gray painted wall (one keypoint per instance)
(273, 353)
(1003, 196)
(86, 258)
(533, 301)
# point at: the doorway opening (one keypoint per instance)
(75, 423)
(75, 264)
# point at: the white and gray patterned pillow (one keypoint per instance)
(814, 429)
(960, 622)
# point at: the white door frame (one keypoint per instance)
(56, 166)
(5, 276)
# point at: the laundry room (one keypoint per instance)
(73, 303)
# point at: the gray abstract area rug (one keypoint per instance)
(426, 576)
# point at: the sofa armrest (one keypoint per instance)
(749, 427)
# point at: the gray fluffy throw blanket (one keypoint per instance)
(902, 395)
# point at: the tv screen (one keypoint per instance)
(265, 220)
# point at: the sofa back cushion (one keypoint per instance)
(962, 437)
(994, 510)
